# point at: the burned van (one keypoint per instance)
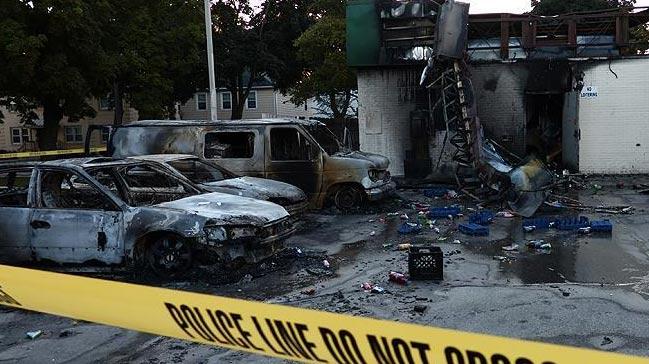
(303, 153)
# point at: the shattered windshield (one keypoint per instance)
(141, 185)
(326, 138)
(198, 171)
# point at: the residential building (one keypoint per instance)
(568, 84)
(264, 101)
(16, 136)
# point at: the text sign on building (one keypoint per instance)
(589, 92)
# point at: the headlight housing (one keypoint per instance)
(216, 233)
(377, 175)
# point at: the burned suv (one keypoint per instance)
(114, 211)
(303, 153)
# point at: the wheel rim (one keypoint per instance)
(347, 198)
(169, 256)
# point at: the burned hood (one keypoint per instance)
(228, 209)
(377, 161)
(258, 188)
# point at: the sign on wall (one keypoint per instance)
(589, 92)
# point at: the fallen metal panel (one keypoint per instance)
(452, 30)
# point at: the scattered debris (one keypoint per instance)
(373, 233)
(326, 263)
(398, 278)
(457, 242)
(606, 341)
(426, 263)
(602, 226)
(474, 230)
(405, 246)
(511, 248)
(410, 228)
(504, 259)
(482, 218)
(33, 335)
(420, 308)
(367, 286)
(309, 292)
(505, 214)
(377, 290)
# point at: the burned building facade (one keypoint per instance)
(569, 89)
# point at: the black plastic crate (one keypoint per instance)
(426, 263)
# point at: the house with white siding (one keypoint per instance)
(264, 101)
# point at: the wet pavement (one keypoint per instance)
(589, 290)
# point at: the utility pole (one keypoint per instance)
(210, 61)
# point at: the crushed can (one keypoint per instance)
(398, 278)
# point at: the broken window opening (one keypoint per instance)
(229, 145)
(144, 185)
(198, 171)
(14, 187)
(288, 144)
(65, 190)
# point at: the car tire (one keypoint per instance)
(347, 198)
(169, 256)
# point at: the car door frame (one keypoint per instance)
(110, 251)
(20, 250)
(315, 165)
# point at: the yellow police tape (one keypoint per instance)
(49, 153)
(272, 330)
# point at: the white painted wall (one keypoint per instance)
(385, 100)
(615, 124)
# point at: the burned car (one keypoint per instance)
(303, 153)
(213, 178)
(117, 211)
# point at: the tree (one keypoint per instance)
(554, 7)
(251, 46)
(323, 50)
(157, 54)
(51, 56)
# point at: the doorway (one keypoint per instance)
(544, 126)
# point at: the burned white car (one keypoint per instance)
(214, 178)
(119, 211)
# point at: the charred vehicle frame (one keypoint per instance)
(120, 211)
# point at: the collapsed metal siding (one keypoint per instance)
(614, 136)
(500, 97)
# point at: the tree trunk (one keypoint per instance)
(237, 104)
(48, 135)
(333, 105)
(119, 104)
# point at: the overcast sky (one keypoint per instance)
(511, 6)
(498, 6)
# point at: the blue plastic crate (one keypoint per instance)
(409, 228)
(544, 222)
(442, 212)
(474, 229)
(601, 226)
(573, 223)
(436, 192)
(482, 218)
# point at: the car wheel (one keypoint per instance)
(347, 198)
(169, 256)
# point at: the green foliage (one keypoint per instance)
(323, 50)
(251, 45)
(555, 7)
(58, 54)
(157, 53)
